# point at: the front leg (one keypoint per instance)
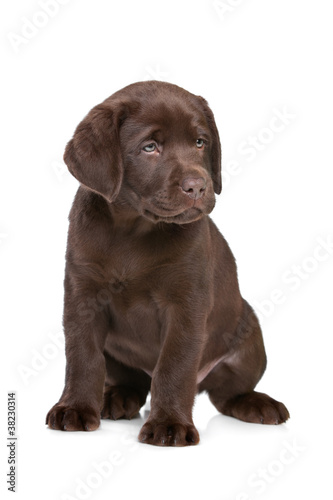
(174, 383)
(85, 325)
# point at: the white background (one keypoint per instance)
(249, 59)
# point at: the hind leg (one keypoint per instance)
(230, 385)
(125, 390)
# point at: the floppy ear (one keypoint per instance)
(215, 148)
(93, 155)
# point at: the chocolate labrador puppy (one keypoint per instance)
(152, 301)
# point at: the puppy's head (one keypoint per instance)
(153, 146)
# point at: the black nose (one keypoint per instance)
(194, 188)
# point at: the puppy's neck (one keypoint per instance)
(126, 218)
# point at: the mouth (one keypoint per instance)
(189, 215)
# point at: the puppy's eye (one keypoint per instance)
(149, 148)
(200, 143)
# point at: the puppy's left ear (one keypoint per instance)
(215, 147)
(93, 155)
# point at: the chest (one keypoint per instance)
(127, 276)
(138, 275)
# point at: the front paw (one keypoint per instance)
(168, 433)
(66, 417)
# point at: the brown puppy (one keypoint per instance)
(151, 294)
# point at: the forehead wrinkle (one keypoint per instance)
(163, 120)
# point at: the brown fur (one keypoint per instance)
(151, 293)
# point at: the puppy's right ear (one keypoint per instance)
(215, 147)
(93, 155)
